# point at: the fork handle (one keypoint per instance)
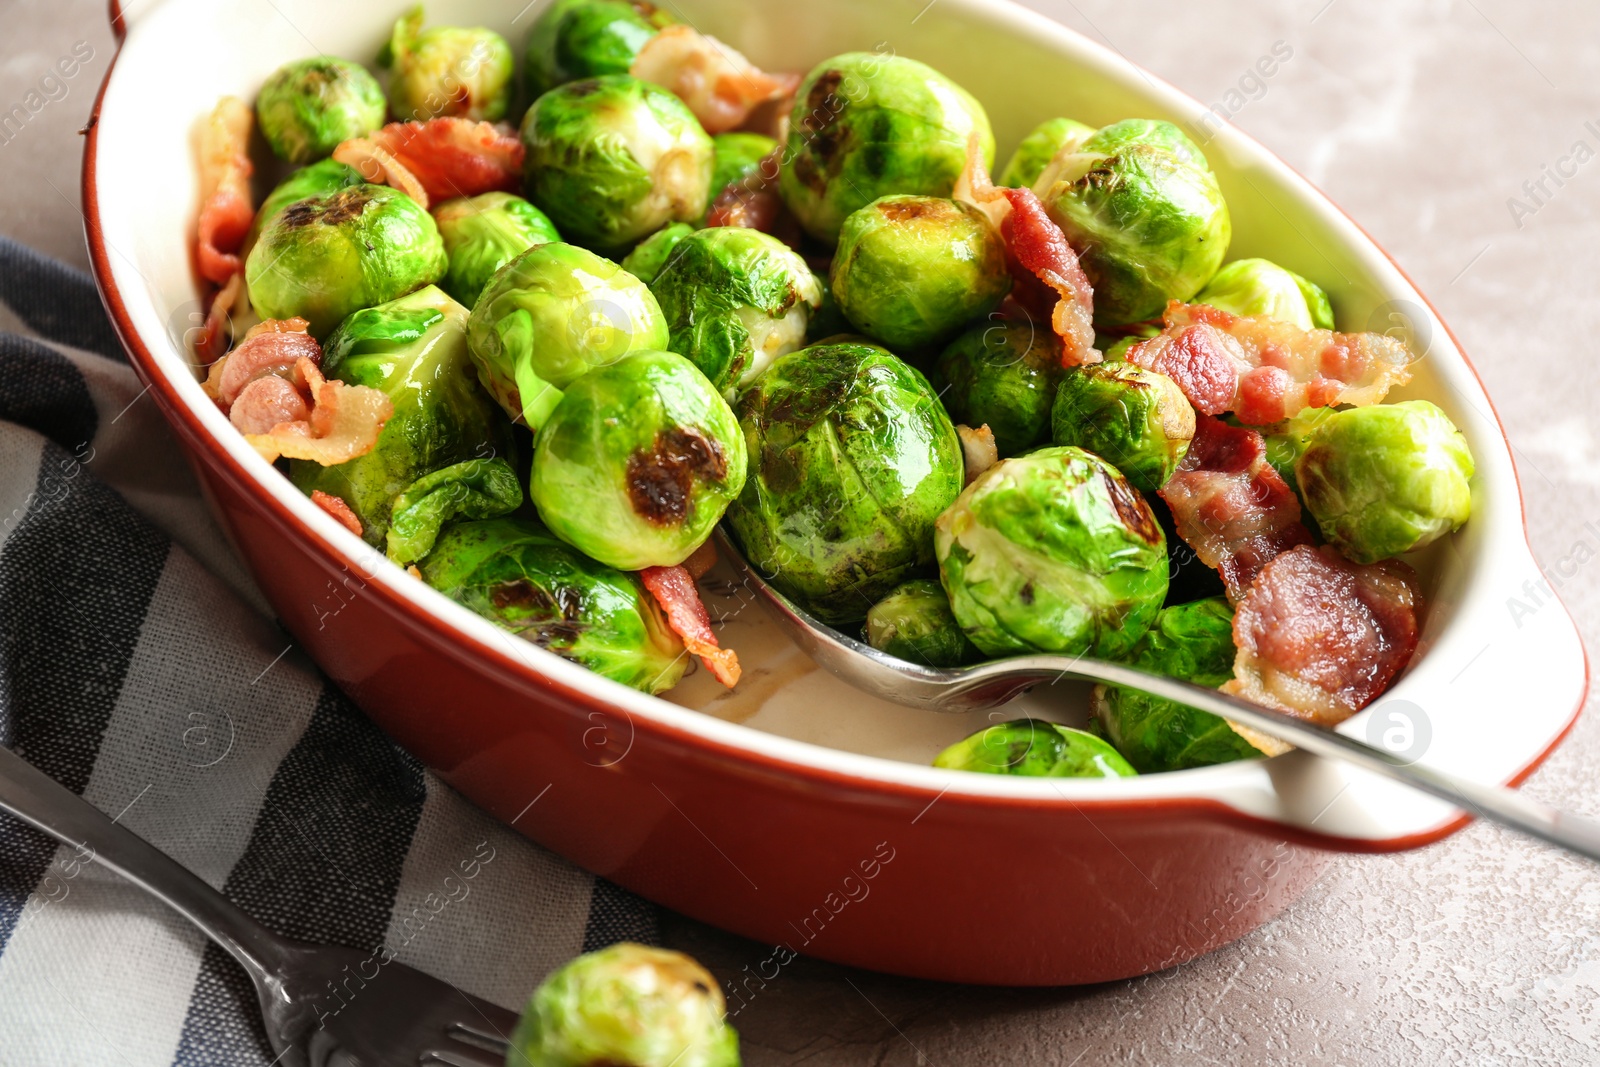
(41, 802)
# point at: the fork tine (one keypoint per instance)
(461, 1056)
(477, 1037)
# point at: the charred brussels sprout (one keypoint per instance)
(482, 234)
(575, 39)
(1137, 420)
(914, 623)
(307, 107)
(1034, 748)
(851, 460)
(514, 573)
(550, 315)
(1037, 149)
(866, 126)
(1141, 205)
(735, 300)
(613, 159)
(911, 270)
(415, 350)
(1261, 287)
(1004, 376)
(1386, 479)
(319, 179)
(1192, 642)
(638, 461)
(324, 257)
(1052, 552)
(446, 71)
(626, 1004)
(650, 255)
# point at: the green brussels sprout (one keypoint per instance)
(638, 461)
(550, 315)
(514, 573)
(650, 255)
(612, 159)
(415, 350)
(446, 71)
(911, 270)
(1037, 149)
(1386, 479)
(735, 300)
(914, 623)
(318, 179)
(1137, 420)
(851, 460)
(866, 126)
(308, 107)
(737, 157)
(626, 1004)
(483, 233)
(1261, 287)
(1286, 441)
(1001, 375)
(1052, 552)
(575, 39)
(1034, 748)
(1143, 208)
(1192, 642)
(471, 489)
(324, 257)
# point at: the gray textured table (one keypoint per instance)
(1423, 120)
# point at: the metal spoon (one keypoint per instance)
(997, 681)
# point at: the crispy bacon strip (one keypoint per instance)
(1265, 370)
(679, 597)
(719, 84)
(225, 211)
(446, 157)
(335, 506)
(1233, 509)
(270, 348)
(213, 339)
(1320, 636)
(344, 422)
(377, 165)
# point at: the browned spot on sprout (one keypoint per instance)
(342, 206)
(1131, 509)
(661, 479)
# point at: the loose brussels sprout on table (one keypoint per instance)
(1042, 144)
(612, 159)
(1052, 552)
(308, 107)
(1004, 376)
(911, 270)
(914, 623)
(483, 233)
(446, 70)
(851, 460)
(1137, 420)
(548, 317)
(735, 300)
(866, 125)
(573, 39)
(638, 462)
(1033, 748)
(1261, 287)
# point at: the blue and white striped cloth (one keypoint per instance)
(141, 668)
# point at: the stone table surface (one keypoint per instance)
(1423, 119)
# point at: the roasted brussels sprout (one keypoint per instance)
(1286, 441)
(1034, 748)
(307, 107)
(514, 573)
(1001, 375)
(638, 461)
(550, 315)
(319, 179)
(1143, 208)
(1037, 149)
(735, 300)
(1137, 420)
(851, 460)
(914, 623)
(626, 1004)
(324, 257)
(1052, 552)
(737, 157)
(575, 39)
(1261, 287)
(482, 234)
(650, 255)
(1386, 479)
(612, 159)
(446, 71)
(866, 126)
(1192, 642)
(911, 270)
(471, 489)
(415, 350)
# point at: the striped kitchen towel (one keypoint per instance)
(140, 667)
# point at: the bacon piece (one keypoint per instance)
(335, 506)
(679, 598)
(344, 423)
(225, 211)
(272, 347)
(213, 340)
(1265, 370)
(377, 165)
(1320, 636)
(265, 403)
(719, 84)
(1232, 508)
(447, 157)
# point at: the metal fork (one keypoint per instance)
(323, 1006)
